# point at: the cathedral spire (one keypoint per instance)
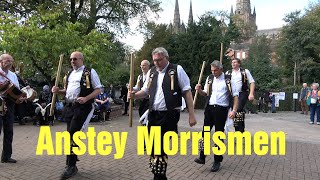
(190, 20)
(231, 13)
(254, 11)
(176, 18)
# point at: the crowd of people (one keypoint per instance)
(162, 88)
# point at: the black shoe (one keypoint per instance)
(10, 160)
(200, 160)
(215, 167)
(69, 172)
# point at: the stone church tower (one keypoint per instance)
(176, 19)
(178, 27)
(243, 17)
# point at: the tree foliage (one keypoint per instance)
(39, 47)
(201, 42)
(300, 43)
(104, 15)
(266, 75)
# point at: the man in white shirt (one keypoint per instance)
(220, 95)
(82, 86)
(243, 79)
(6, 121)
(144, 104)
(166, 83)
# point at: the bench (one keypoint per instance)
(116, 111)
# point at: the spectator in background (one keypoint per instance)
(313, 101)
(266, 100)
(303, 99)
(124, 96)
(111, 91)
(44, 99)
(104, 105)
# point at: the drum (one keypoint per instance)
(12, 92)
(31, 93)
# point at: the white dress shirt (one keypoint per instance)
(144, 77)
(237, 78)
(159, 103)
(10, 75)
(73, 89)
(219, 89)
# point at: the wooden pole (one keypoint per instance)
(221, 52)
(130, 89)
(53, 100)
(199, 81)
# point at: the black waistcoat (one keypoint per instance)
(244, 79)
(228, 84)
(173, 97)
(85, 89)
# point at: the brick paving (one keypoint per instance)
(302, 159)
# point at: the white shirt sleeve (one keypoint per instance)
(145, 84)
(249, 76)
(184, 81)
(95, 81)
(235, 89)
(136, 88)
(206, 86)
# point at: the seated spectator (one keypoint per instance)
(44, 99)
(104, 105)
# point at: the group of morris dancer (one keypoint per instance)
(161, 87)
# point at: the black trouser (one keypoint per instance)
(266, 106)
(75, 116)
(217, 116)
(107, 109)
(144, 105)
(6, 122)
(168, 121)
(21, 111)
(126, 105)
(242, 100)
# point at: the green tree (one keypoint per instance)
(300, 42)
(266, 74)
(201, 42)
(39, 48)
(104, 15)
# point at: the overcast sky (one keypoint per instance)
(269, 13)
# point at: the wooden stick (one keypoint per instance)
(221, 52)
(199, 81)
(130, 89)
(53, 100)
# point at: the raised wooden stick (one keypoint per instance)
(130, 89)
(53, 100)
(221, 52)
(199, 81)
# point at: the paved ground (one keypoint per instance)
(302, 159)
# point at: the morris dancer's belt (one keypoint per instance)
(72, 104)
(215, 105)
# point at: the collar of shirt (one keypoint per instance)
(3, 71)
(164, 69)
(79, 69)
(236, 71)
(221, 77)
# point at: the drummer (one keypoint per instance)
(6, 121)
